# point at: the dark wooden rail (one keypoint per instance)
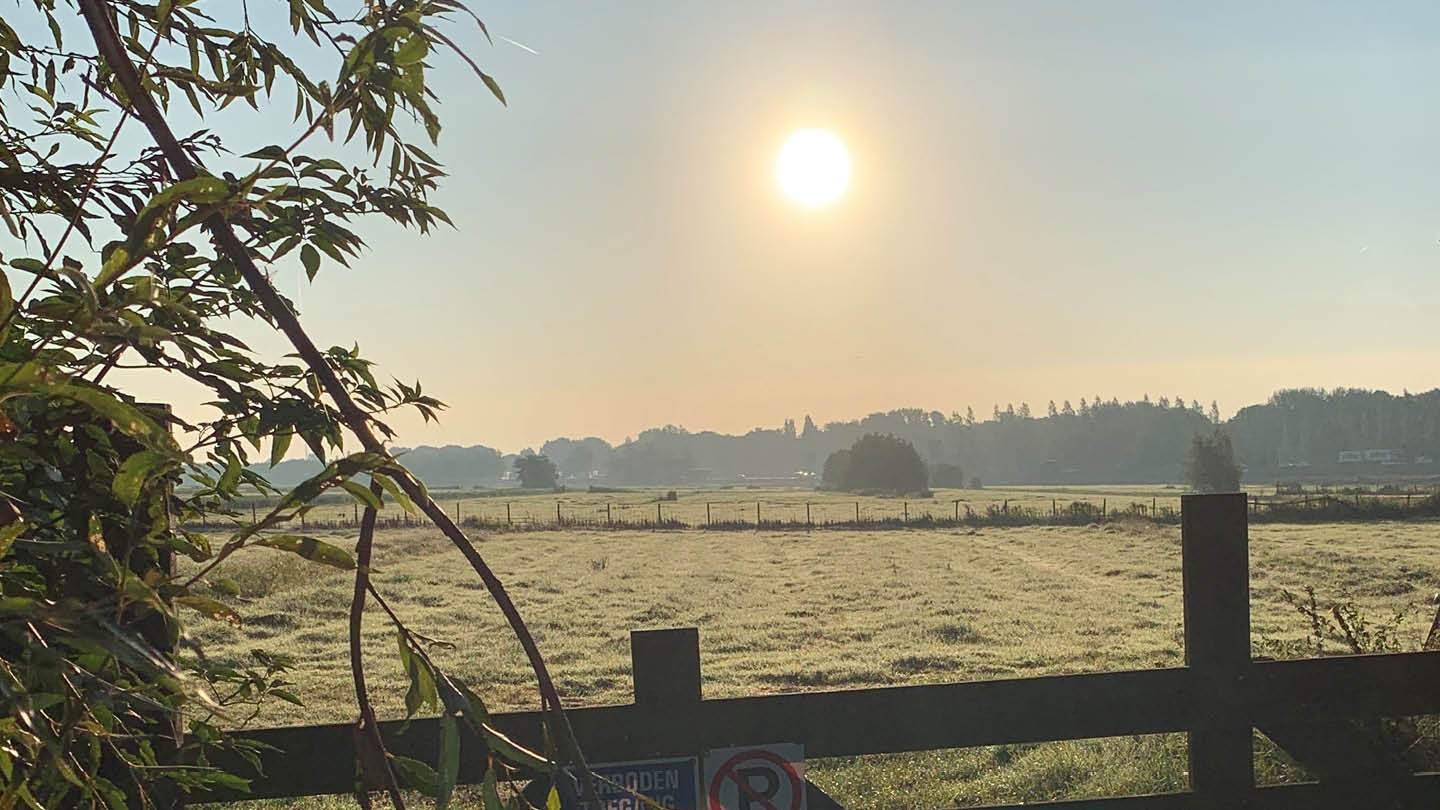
(1218, 698)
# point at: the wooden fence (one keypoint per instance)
(1218, 698)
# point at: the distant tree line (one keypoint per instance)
(1089, 440)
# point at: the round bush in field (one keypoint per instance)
(876, 462)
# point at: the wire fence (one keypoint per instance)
(522, 515)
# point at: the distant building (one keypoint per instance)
(1376, 456)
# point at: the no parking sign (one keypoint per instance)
(756, 777)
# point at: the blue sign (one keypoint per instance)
(670, 783)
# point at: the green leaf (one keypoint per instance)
(212, 608)
(8, 535)
(311, 549)
(362, 494)
(279, 444)
(489, 790)
(412, 51)
(133, 474)
(7, 304)
(422, 690)
(416, 774)
(494, 87)
(449, 765)
(231, 477)
(310, 257)
(288, 697)
(389, 485)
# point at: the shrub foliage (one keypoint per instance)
(132, 245)
(876, 463)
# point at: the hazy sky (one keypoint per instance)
(1049, 200)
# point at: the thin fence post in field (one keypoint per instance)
(807, 515)
(757, 514)
(857, 512)
(657, 513)
(1153, 502)
(607, 513)
(557, 513)
(1214, 543)
(905, 515)
(957, 510)
(665, 665)
(457, 513)
(1102, 508)
(508, 522)
(1053, 510)
(355, 513)
(1006, 507)
(707, 514)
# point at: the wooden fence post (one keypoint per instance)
(906, 506)
(557, 513)
(666, 666)
(857, 513)
(1214, 545)
(658, 521)
(607, 513)
(507, 515)
(807, 515)
(757, 514)
(707, 514)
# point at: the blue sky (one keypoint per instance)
(1049, 200)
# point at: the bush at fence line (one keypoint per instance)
(1343, 628)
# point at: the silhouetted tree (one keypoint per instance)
(536, 471)
(876, 462)
(1211, 465)
(837, 470)
(949, 476)
(1067, 409)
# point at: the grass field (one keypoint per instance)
(789, 611)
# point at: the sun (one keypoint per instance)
(813, 167)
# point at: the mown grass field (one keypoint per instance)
(789, 611)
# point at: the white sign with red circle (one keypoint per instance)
(756, 777)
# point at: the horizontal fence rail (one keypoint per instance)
(1218, 698)
(898, 719)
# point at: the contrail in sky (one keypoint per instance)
(518, 45)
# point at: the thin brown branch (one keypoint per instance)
(368, 728)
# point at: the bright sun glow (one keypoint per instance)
(813, 167)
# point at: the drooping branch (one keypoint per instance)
(143, 107)
(369, 745)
